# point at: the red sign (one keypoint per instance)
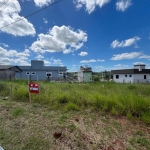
(34, 88)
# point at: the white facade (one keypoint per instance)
(131, 78)
(140, 67)
(80, 76)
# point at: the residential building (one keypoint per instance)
(37, 71)
(85, 74)
(8, 72)
(136, 75)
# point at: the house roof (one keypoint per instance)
(9, 67)
(131, 71)
(87, 69)
(44, 68)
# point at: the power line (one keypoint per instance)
(31, 14)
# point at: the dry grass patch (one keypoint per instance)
(39, 127)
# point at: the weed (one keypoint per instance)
(131, 87)
(62, 118)
(143, 142)
(18, 111)
(131, 100)
(71, 106)
(140, 133)
(117, 125)
(72, 127)
(129, 148)
(35, 143)
(132, 140)
(63, 99)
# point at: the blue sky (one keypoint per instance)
(102, 34)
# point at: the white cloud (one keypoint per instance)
(100, 60)
(83, 54)
(126, 56)
(5, 45)
(99, 67)
(137, 63)
(46, 62)
(14, 57)
(12, 61)
(41, 3)
(59, 39)
(67, 51)
(27, 51)
(13, 53)
(144, 57)
(45, 21)
(122, 5)
(125, 43)
(122, 66)
(73, 65)
(57, 61)
(10, 15)
(91, 61)
(90, 4)
(39, 56)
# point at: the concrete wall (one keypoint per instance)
(39, 75)
(7, 74)
(136, 78)
(139, 78)
(123, 78)
(80, 76)
(87, 76)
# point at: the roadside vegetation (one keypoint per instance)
(130, 100)
(87, 116)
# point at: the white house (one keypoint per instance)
(137, 75)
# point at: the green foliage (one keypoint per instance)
(71, 106)
(62, 118)
(72, 127)
(131, 100)
(96, 79)
(18, 111)
(35, 144)
(143, 142)
(4, 88)
(131, 87)
(63, 99)
(20, 94)
(146, 117)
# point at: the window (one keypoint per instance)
(33, 73)
(60, 73)
(48, 74)
(144, 76)
(27, 73)
(126, 75)
(117, 76)
(130, 75)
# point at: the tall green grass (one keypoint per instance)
(131, 100)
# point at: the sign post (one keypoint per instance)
(33, 89)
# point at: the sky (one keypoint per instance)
(102, 34)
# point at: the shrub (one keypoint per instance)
(96, 79)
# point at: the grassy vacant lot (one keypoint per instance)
(75, 116)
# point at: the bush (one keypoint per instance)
(96, 79)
